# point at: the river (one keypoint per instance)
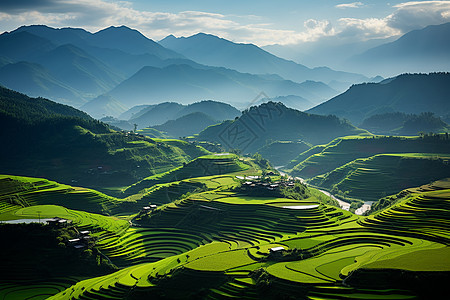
(344, 205)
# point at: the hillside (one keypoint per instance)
(103, 106)
(213, 237)
(156, 114)
(69, 146)
(326, 158)
(220, 244)
(407, 93)
(423, 50)
(280, 153)
(404, 124)
(247, 58)
(372, 178)
(37, 81)
(275, 122)
(187, 125)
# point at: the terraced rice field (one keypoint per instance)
(215, 243)
(214, 164)
(322, 159)
(384, 174)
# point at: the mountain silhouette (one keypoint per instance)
(407, 93)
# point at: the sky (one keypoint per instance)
(263, 22)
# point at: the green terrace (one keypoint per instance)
(207, 238)
(242, 245)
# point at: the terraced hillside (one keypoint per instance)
(214, 164)
(384, 174)
(322, 159)
(209, 239)
(401, 253)
(21, 192)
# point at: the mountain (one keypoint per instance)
(87, 64)
(78, 69)
(424, 50)
(164, 112)
(404, 124)
(102, 106)
(36, 81)
(124, 59)
(19, 46)
(292, 101)
(156, 114)
(130, 41)
(260, 125)
(217, 110)
(130, 113)
(214, 51)
(407, 93)
(152, 85)
(70, 146)
(120, 38)
(187, 125)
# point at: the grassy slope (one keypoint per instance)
(71, 147)
(322, 159)
(202, 166)
(237, 263)
(372, 178)
(214, 243)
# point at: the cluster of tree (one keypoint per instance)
(404, 124)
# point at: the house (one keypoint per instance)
(276, 249)
(58, 222)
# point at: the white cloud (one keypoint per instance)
(350, 5)
(94, 15)
(365, 29)
(418, 14)
(407, 16)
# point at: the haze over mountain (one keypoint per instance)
(153, 85)
(186, 125)
(214, 51)
(36, 81)
(76, 66)
(408, 93)
(260, 125)
(424, 50)
(164, 112)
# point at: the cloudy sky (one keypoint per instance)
(260, 22)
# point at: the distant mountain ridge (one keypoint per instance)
(407, 93)
(79, 66)
(152, 85)
(164, 112)
(424, 50)
(214, 51)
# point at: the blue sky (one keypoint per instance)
(260, 22)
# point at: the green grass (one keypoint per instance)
(217, 241)
(372, 178)
(322, 159)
